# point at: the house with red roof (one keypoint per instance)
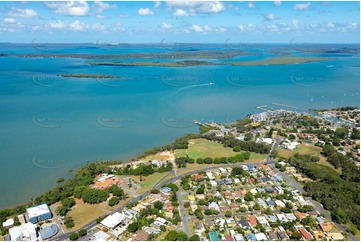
(197, 176)
(252, 220)
(305, 233)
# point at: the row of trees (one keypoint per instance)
(143, 169)
(182, 161)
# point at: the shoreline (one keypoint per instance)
(132, 159)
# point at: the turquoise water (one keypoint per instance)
(50, 124)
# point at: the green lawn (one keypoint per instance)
(306, 149)
(202, 148)
(83, 213)
(148, 181)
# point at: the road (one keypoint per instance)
(93, 223)
(184, 215)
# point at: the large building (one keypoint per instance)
(38, 213)
(23, 232)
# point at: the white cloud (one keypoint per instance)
(100, 6)
(166, 26)
(157, 4)
(295, 23)
(10, 20)
(123, 15)
(277, 3)
(145, 12)
(248, 27)
(195, 7)
(99, 16)
(72, 8)
(58, 24)
(24, 13)
(180, 13)
(269, 17)
(77, 26)
(251, 5)
(330, 25)
(302, 6)
(118, 27)
(221, 30)
(197, 28)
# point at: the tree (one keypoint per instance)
(155, 191)
(133, 227)
(163, 228)
(69, 222)
(236, 171)
(199, 214)
(113, 201)
(194, 237)
(158, 205)
(228, 214)
(92, 195)
(292, 137)
(339, 216)
(82, 232)
(200, 190)
(182, 236)
(171, 236)
(296, 235)
(249, 197)
(208, 212)
(73, 236)
(257, 207)
(309, 221)
(236, 149)
(60, 180)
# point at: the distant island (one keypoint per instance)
(270, 61)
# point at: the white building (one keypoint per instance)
(264, 140)
(214, 206)
(210, 175)
(38, 213)
(261, 237)
(112, 220)
(213, 183)
(23, 232)
(8, 223)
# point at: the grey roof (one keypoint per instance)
(49, 231)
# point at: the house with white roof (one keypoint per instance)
(210, 175)
(8, 223)
(261, 237)
(112, 220)
(281, 217)
(214, 206)
(23, 232)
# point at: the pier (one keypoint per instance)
(289, 106)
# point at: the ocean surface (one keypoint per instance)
(50, 125)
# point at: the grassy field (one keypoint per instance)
(83, 213)
(148, 181)
(306, 149)
(202, 148)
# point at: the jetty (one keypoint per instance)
(289, 106)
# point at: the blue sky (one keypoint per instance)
(180, 21)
